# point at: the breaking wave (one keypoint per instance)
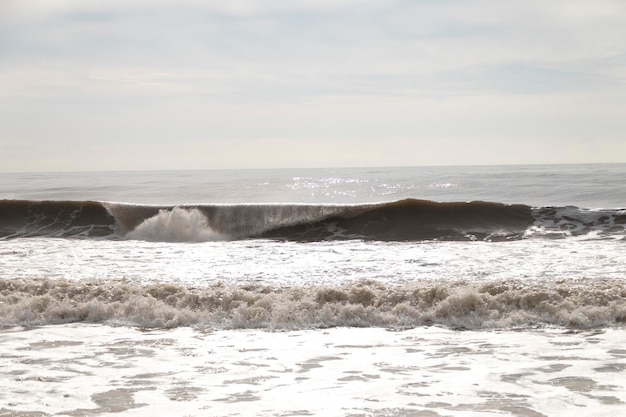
(175, 225)
(404, 220)
(577, 304)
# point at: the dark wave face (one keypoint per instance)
(21, 218)
(404, 220)
(417, 220)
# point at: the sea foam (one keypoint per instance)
(176, 225)
(500, 304)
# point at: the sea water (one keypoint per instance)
(430, 291)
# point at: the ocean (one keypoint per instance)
(412, 291)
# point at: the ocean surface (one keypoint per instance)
(415, 291)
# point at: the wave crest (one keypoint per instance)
(176, 225)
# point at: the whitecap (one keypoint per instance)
(176, 225)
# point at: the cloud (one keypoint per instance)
(498, 75)
(400, 46)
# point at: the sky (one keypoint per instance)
(202, 84)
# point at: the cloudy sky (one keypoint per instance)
(156, 84)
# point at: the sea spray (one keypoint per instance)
(176, 225)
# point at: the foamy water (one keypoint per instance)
(315, 292)
(78, 370)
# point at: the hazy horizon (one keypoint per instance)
(314, 168)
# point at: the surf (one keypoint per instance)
(401, 220)
(574, 304)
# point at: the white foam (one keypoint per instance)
(75, 370)
(176, 225)
(570, 221)
(579, 304)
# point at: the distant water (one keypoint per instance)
(475, 290)
(588, 186)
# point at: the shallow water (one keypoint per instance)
(79, 370)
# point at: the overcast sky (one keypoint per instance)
(155, 84)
